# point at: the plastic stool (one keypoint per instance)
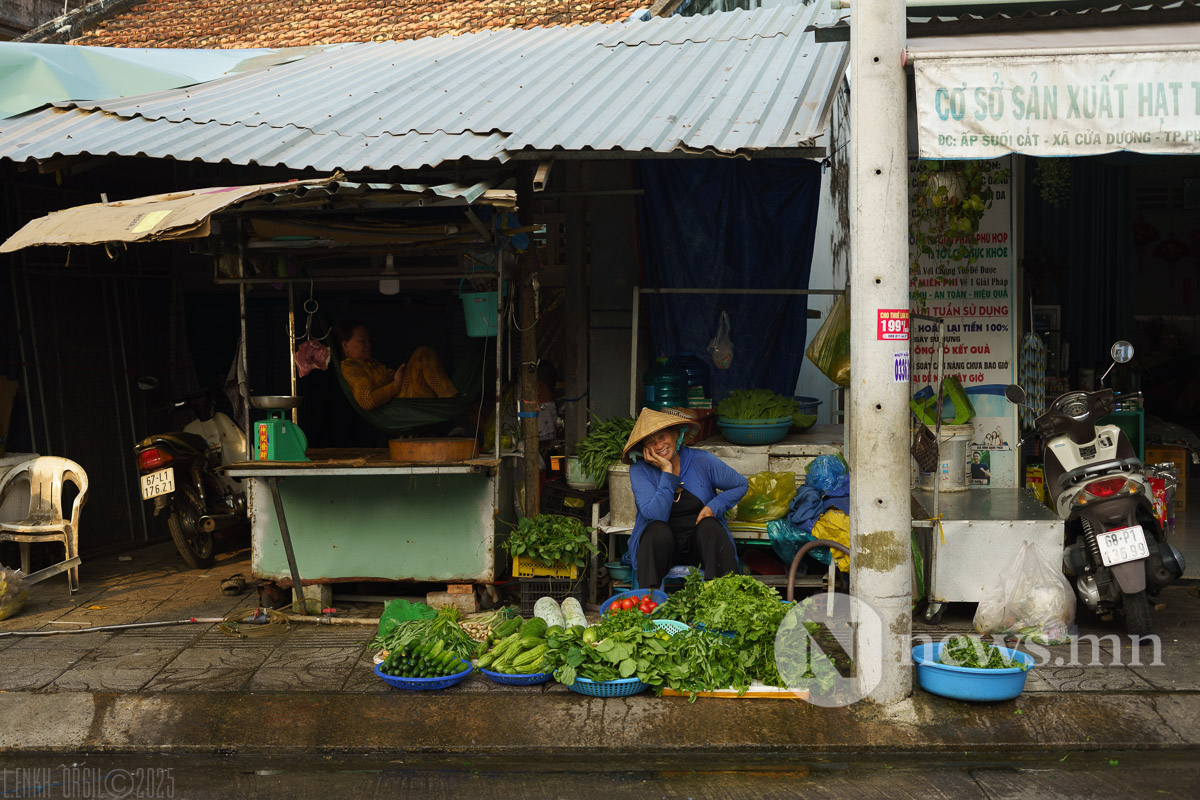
(674, 573)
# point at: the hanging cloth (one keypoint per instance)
(1031, 374)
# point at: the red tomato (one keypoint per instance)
(627, 603)
(651, 606)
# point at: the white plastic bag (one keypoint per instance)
(1032, 601)
(721, 346)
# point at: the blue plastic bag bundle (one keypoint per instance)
(825, 472)
(786, 540)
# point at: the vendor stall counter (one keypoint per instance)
(980, 534)
(355, 515)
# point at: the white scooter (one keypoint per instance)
(1115, 549)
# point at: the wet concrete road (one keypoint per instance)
(1083, 775)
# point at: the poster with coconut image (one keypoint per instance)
(962, 269)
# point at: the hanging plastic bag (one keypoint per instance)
(14, 591)
(830, 348)
(721, 346)
(1031, 600)
(768, 497)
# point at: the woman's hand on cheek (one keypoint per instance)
(705, 513)
(651, 457)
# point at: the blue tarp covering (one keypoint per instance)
(730, 224)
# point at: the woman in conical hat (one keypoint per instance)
(682, 495)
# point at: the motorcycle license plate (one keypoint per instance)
(1123, 544)
(156, 483)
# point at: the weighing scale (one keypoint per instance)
(276, 437)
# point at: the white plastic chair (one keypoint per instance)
(45, 521)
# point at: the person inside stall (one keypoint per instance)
(681, 495)
(375, 384)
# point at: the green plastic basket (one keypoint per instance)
(670, 626)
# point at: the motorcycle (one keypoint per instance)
(1115, 549)
(180, 472)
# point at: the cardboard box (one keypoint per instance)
(1175, 454)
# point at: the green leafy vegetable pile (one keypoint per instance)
(736, 604)
(971, 651)
(551, 539)
(602, 447)
(757, 404)
(444, 626)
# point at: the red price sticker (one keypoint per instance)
(892, 325)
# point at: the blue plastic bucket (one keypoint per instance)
(479, 308)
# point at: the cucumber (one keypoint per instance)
(535, 627)
(573, 613)
(546, 608)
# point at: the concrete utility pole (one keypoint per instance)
(880, 511)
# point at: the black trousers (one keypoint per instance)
(706, 544)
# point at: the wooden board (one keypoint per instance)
(757, 691)
(424, 451)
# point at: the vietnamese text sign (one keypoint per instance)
(1058, 105)
(892, 325)
(978, 346)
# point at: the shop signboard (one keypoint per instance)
(976, 301)
(1058, 104)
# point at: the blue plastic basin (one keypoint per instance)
(970, 683)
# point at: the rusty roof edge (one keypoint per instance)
(65, 27)
(1028, 20)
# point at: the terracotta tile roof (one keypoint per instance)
(287, 23)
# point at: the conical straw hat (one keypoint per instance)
(651, 421)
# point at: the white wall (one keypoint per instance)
(831, 250)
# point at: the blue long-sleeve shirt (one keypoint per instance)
(700, 472)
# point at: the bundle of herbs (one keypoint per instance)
(551, 539)
(444, 626)
(973, 652)
(737, 605)
(602, 447)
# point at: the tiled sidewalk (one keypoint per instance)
(194, 657)
(198, 657)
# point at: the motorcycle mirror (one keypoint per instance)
(147, 383)
(1122, 352)
(1015, 394)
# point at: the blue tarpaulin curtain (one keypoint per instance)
(725, 224)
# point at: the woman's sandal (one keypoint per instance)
(233, 585)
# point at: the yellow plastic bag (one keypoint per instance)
(830, 348)
(834, 525)
(768, 497)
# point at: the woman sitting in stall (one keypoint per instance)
(374, 384)
(680, 512)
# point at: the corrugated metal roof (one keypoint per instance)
(962, 19)
(735, 82)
